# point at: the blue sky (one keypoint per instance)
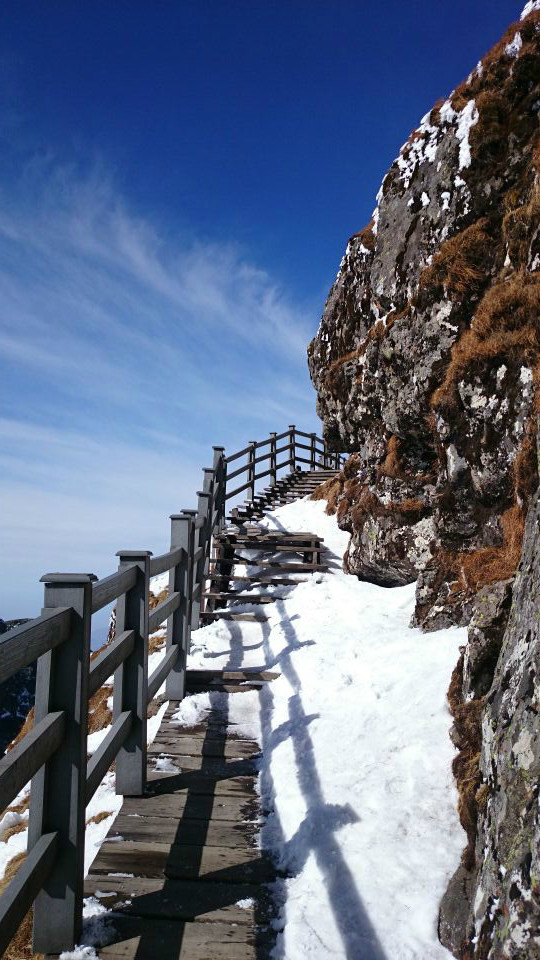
(177, 185)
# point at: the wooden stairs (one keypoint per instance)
(266, 557)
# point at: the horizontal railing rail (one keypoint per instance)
(53, 754)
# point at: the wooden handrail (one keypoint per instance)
(165, 561)
(109, 659)
(163, 610)
(25, 886)
(23, 645)
(106, 752)
(19, 766)
(110, 588)
(54, 753)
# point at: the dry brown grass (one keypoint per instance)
(525, 466)
(366, 236)
(488, 565)
(466, 765)
(462, 265)
(13, 830)
(506, 325)
(330, 491)
(26, 728)
(20, 947)
(391, 465)
(98, 817)
(99, 713)
(520, 223)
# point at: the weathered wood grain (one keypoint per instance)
(181, 804)
(184, 862)
(212, 833)
(207, 747)
(174, 899)
(137, 938)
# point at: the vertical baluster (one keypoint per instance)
(313, 454)
(220, 485)
(192, 573)
(58, 793)
(292, 446)
(273, 458)
(179, 624)
(251, 470)
(203, 509)
(131, 677)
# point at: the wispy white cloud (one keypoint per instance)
(127, 348)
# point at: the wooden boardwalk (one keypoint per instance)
(181, 868)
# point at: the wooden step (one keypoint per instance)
(227, 615)
(242, 597)
(254, 578)
(297, 567)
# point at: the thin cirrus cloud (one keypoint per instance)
(127, 350)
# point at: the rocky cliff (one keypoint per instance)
(426, 367)
(426, 361)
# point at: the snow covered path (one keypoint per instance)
(355, 778)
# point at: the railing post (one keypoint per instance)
(204, 498)
(292, 446)
(131, 677)
(273, 458)
(325, 454)
(220, 483)
(192, 570)
(313, 454)
(251, 470)
(58, 793)
(178, 626)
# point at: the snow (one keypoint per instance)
(355, 772)
(530, 7)
(513, 48)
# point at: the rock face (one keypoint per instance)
(492, 906)
(427, 368)
(428, 352)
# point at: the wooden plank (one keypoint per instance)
(184, 862)
(162, 671)
(210, 833)
(245, 597)
(216, 766)
(137, 938)
(108, 589)
(112, 656)
(21, 892)
(19, 766)
(163, 610)
(283, 565)
(106, 752)
(181, 804)
(241, 617)
(197, 747)
(160, 783)
(250, 673)
(24, 644)
(165, 561)
(174, 899)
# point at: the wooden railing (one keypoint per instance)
(54, 754)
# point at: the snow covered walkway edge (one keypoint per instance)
(356, 782)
